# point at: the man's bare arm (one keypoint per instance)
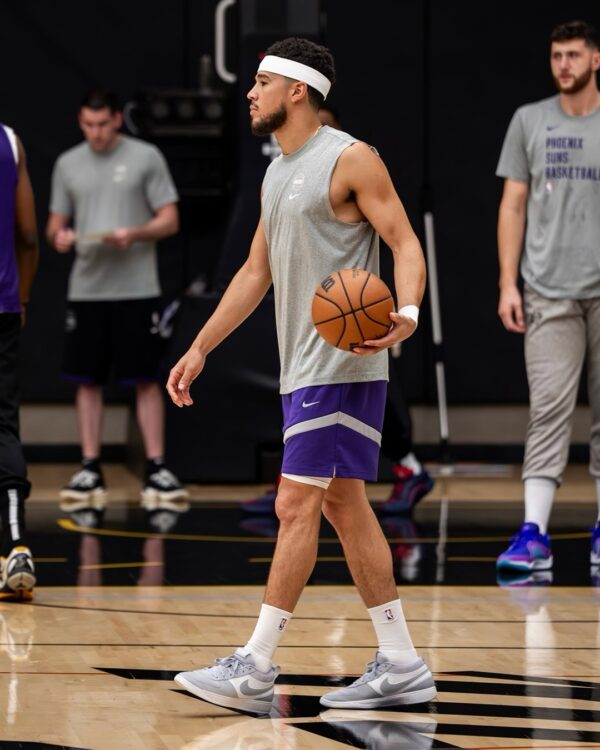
(164, 223)
(58, 234)
(241, 298)
(511, 229)
(368, 179)
(26, 238)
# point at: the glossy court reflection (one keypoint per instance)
(127, 600)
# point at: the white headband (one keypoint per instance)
(296, 70)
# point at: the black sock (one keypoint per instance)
(153, 465)
(92, 464)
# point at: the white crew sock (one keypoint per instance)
(268, 631)
(410, 461)
(392, 634)
(539, 496)
(598, 498)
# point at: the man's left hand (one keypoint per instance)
(123, 237)
(402, 328)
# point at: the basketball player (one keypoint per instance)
(18, 263)
(324, 202)
(412, 481)
(550, 165)
(121, 196)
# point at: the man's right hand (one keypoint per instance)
(182, 376)
(510, 309)
(64, 240)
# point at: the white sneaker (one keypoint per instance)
(17, 575)
(163, 490)
(85, 490)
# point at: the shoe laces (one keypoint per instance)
(85, 478)
(231, 665)
(164, 478)
(373, 670)
(402, 473)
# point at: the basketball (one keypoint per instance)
(352, 306)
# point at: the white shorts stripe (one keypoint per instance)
(338, 417)
(13, 515)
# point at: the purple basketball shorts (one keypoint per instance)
(333, 430)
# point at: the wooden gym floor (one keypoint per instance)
(126, 601)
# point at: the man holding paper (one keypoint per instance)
(112, 198)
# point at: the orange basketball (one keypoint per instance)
(352, 306)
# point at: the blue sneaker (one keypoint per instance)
(528, 550)
(408, 489)
(595, 553)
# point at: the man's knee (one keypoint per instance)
(337, 508)
(296, 502)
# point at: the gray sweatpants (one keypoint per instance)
(559, 332)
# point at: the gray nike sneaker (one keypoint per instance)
(234, 682)
(385, 684)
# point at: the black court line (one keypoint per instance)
(587, 692)
(14, 745)
(297, 618)
(526, 678)
(527, 733)
(501, 711)
(320, 646)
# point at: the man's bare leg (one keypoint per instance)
(89, 416)
(150, 410)
(367, 552)
(298, 507)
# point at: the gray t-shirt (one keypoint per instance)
(103, 191)
(307, 242)
(559, 156)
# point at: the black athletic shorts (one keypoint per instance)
(119, 334)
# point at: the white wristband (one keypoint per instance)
(410, 311)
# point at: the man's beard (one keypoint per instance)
(270, 123)
(579, 83)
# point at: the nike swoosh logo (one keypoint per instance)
(390, 683)
(291, 196)
(245, 689)
(312, 403)
(552, 127)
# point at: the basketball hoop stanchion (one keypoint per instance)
(436, 327)
(445, 468)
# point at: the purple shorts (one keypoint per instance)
(334, 430)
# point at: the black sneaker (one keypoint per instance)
(17, 575)
(85, 490)
(163, 490)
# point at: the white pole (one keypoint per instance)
(436, 324)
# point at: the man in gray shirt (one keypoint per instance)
(119, 196)
(324, 200)
(550, 162)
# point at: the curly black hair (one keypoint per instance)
(576, 30)
(309, 53)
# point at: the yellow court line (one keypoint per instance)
(68, 525)
(319, 559)
(107, 566)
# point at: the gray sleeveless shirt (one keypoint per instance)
(307, 242)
